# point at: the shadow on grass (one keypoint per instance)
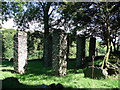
(7, 70)
(33, 67)
(72, 67)
(6, 63)
(12, 82)
(37, 67)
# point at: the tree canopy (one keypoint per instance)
(90, 19)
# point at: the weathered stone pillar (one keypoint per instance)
(1, 48)
(20, 52)
(92, 46)
(59, 63)
(80, 55)
(68, 47)
(0, 58)
(50, 51)
(47, 51)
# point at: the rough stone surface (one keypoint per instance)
(0, 46)
(59, 63)
(50, 51)
(0, 57)
(68, 41)
(47, 50)
(20, 52)
(92, 46)
(80, 56)
(98, 73)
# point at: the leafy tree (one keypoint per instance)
(78, 17)
(41, 12)
(106, 16)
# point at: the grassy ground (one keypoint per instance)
(37, 75)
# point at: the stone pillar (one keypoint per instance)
(59, 63)
(20, 52)
(80, 55)
(68, 47)
(1, 48)
(50, 51)
(92, 46)
(0, 58)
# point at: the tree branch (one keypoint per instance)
(51, 12)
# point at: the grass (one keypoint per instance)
(37, 75)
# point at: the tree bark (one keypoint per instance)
(47, 53)
(20, 52)
(80, 56)
(92, 46)
(59, 63)
(114, 46)
(118, 46)
(107, 54)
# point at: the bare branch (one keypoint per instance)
(51, 12)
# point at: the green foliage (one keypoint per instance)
(87, 47)
(97, 63)
(38, 75)
(100, 50)
(35, 45)
(7, 43)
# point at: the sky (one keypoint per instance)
(9, 24)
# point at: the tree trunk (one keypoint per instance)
(80, 56)
(92, 46)
(20, 52)
(107, 54)
(118, 46)
(47, 53)
(114, 46)
(59, 63)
